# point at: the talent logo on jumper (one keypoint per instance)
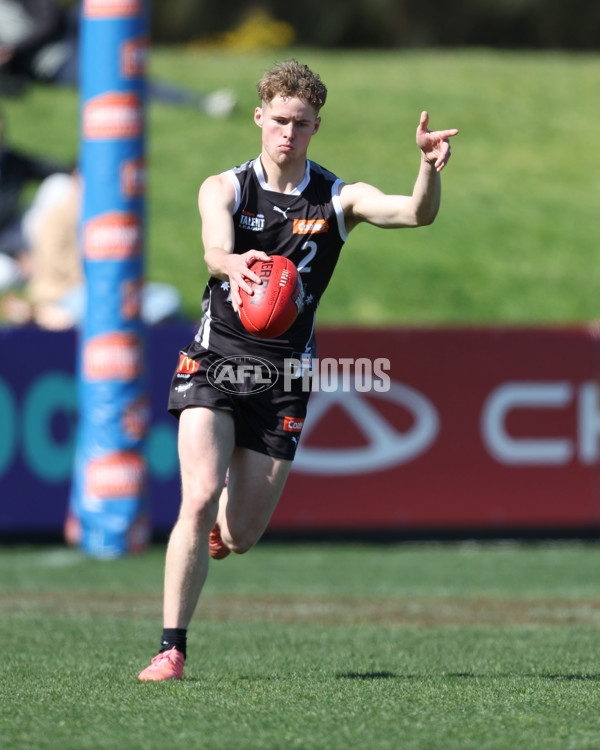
(113, 115)
(118, 474)
(112, 8)
(252, 222)
(113, 356)
(115, 235)
(133, 55)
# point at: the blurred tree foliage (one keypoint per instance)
(518, 24)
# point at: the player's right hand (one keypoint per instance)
(239, 273)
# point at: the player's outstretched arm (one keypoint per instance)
(364, 203)
(215, 202)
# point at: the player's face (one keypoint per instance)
(287, 127)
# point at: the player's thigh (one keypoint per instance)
(206, 442)
(256, 482)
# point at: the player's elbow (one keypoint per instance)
(425, 217)
(426, 221)
(416, 221)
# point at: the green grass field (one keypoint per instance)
(516, 240)
(457, 646)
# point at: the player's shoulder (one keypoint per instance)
(217, 189)
(225, 188)
(244, 168)
(240, 175)
(321, 172)
(228, 175)
(215, 183)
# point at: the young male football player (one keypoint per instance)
(279, 203)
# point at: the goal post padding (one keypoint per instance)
(108, 505)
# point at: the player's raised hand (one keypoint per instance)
(435, 145)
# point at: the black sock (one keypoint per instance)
(174, 638)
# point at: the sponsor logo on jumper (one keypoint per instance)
(133, 178)
(242, 375)
(119, 474)
(113, 356)
(310, 226)
(187, 365)
(251, 222)
(133, 55)
(281, 211)
(113, 236)
(111, 8)
(293, 424)
(113, 115)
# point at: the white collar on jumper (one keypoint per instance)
(298, 190)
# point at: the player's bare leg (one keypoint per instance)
(206, 440)
(255, 484)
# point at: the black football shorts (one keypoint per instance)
(268, 411)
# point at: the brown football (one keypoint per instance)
(276, 302)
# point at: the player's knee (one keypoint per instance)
(201, 503)
(240, 549)
(242, 542)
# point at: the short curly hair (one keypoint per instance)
(292, 79)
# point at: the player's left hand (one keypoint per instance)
(434, 144)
